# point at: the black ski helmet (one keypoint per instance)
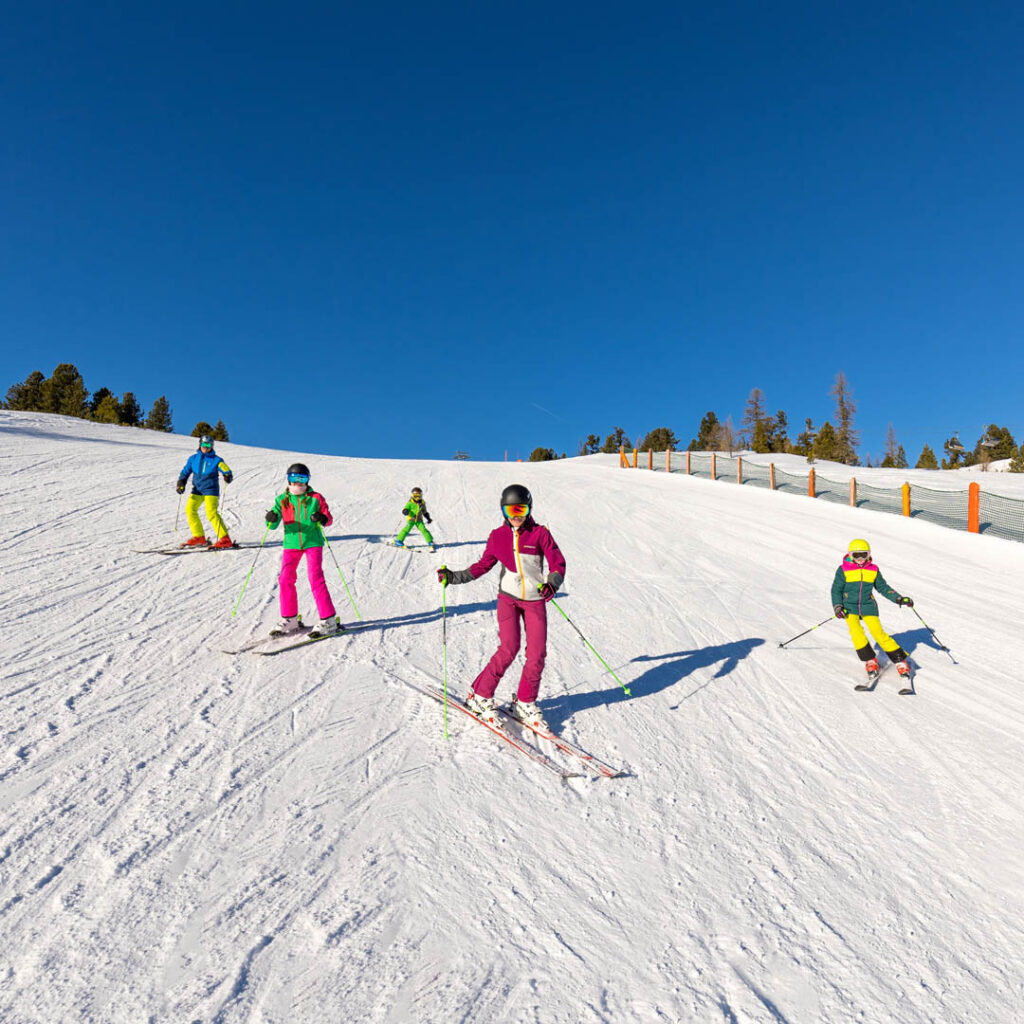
(206, 441)
(298, 467)
(515, 494)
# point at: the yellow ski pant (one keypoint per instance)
(211, 502)
(874, 624)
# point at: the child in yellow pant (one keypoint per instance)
(853, 600)
(205, 467)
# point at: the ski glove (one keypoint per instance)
(426, 515)
(180, 486)
(839, 610)
(319, 517)
(547, 592)
(444, 576)
(906, 601)
(228, 478)
(271, 518)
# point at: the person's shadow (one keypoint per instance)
(668, 670)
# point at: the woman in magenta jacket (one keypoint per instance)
(522, 546)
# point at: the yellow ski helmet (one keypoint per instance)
(859, 544)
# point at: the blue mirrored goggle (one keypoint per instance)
(298, 478)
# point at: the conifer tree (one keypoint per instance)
(805, 440)
(1017, 462)
(107, 411)
(753, 417)
(826, 444)
(220, 432)
(997, 443)
(28, 395)
(202, 427)
(97, 397)
(65, 392)
(615, 440)
(659, 440)
(889, 461)
(927, 459)
(846, 437)
(160, 416)
(130, 410)
(542, 455)
(702, 442)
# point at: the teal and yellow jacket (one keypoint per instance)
(853, 585)
(296, 512)
(416, 511)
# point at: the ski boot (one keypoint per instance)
(328, 627)
(288, 624)
(196, 542)
(529, 714)
(873, 671)
(483, 708)
(225, 542)
(906, 677)
(397, 544)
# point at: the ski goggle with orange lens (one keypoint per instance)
(516, 510)
(298, 478)
(858, 555)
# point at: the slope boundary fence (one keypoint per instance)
(972, 509)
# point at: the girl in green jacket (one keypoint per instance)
(416, 514)
(853, 600)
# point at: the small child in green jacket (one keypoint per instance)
(416, 514)
(853, 600)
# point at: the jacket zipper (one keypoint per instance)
(519, 564)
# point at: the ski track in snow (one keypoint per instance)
(187, 835)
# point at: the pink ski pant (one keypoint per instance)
(534, 614)
(317, 583)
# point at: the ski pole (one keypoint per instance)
(932, 631)
(340, 573)
(177, 515)
(251, 567)
(806, 631)
(591, 646)
(444, 648)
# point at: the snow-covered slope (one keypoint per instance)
(191, 836)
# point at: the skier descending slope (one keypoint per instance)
(522, 546)
(416, 514)
(203, 467)
(304, 512)
(852, 600)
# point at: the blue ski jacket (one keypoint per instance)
(203, 469)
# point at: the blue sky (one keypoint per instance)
(404, 230)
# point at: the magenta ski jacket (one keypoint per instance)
(522, 554)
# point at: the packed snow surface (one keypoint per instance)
(188, 835)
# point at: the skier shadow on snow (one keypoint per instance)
(672, 669)
(422, 618)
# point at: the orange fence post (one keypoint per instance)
(634, 457)
(687, 463)
(810, 482)
(668, 460)
(650, 458)
(739, 471)
(906, 499)
(973, 507)
(771, 475)
(853, 492)
(623, 461)
(714, 465)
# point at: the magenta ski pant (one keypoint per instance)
(317, 583)
(534, 615)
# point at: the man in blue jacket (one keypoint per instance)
(204, 467)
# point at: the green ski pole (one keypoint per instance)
(591, 646)
(251, 567)
(444, 648)
(806, 631)
(932, 631)
(340, 573)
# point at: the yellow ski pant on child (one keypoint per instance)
(874, 624)
(192, 514)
